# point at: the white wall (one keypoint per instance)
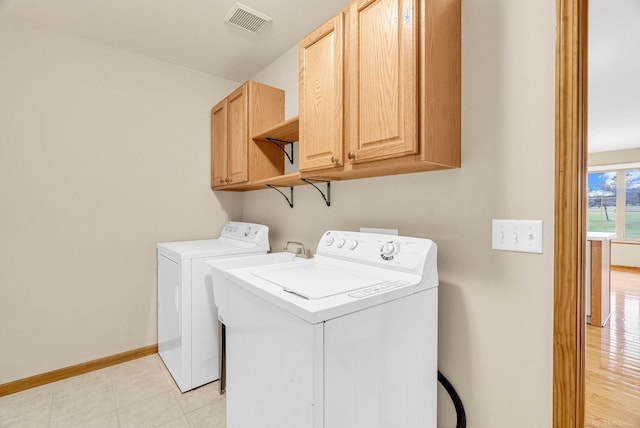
(283, 74)
(103, 153)
(496, 308)
(614, 157)
(625, 254)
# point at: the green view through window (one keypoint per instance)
(601, 197)
(632, 207)
(613, 202)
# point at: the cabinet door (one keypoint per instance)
(381, 89)
(238, 136)
(219, 144)
(321, 96)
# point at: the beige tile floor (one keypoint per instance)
(138, 393)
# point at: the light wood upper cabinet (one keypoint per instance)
(237, 136)
(219, 144)
(399, 110)
(440, 82)
(380, 94)
(321, 96)
(381, 84)
(236, 159)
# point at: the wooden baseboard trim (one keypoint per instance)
(619, 242)
(78, 369)
(626, 268)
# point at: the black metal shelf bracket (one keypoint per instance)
(327, 197)
(289, 199)
(279, 144)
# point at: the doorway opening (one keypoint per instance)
(570, 214)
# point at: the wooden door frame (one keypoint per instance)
(570, 214)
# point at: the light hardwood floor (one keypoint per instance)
(613, 358)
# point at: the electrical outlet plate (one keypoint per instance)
(523, 236)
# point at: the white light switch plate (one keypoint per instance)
(524, 236)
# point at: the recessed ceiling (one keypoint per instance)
(614, 75)
(189, 33)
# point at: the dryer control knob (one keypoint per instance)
(353, 244)
(328, 240)
(340, 243)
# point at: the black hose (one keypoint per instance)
(457, 402)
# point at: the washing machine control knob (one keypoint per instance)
(328, 240)
(340, 243)
(388, 250)
(353, 244)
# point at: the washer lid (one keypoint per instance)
(324, 288)
(317, 282)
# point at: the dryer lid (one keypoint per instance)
(182, 250)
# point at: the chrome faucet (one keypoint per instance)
(300, 251)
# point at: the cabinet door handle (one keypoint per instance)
(334, 159)
(222, 181)
(227, 180)
(351, 156)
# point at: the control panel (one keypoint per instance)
(250, 232)
(398, 252)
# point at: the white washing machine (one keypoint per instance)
(218, 269)
(347, 339)
(187, 317)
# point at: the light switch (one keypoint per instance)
(523, 236)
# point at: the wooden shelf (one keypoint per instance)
(281, 134)
(285, 131)
(292, 179)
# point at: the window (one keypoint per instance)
(632, 206)
(614, 202)
(601, 197)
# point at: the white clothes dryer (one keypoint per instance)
(187, 316)
(347, 339)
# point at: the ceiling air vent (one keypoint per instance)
(246, 18)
